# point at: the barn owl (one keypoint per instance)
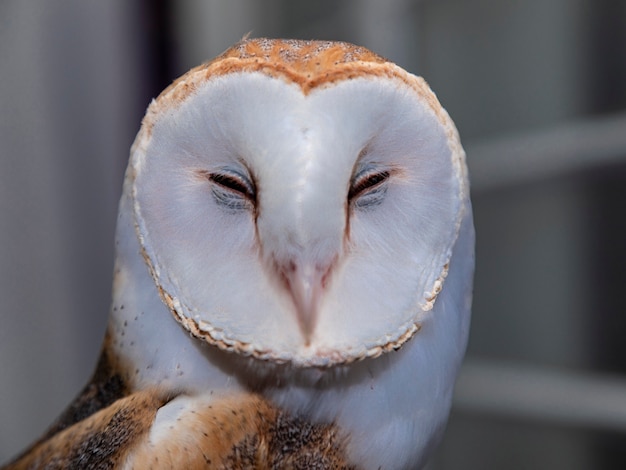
(293, 274)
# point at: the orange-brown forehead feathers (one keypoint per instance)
(311, 60)
(302, 51)
(307, 63)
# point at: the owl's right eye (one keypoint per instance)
(232, 190)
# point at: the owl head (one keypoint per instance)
(298, 201)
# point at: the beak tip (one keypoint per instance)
(307, 316)
(305, 287)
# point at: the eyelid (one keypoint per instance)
(235, 183)
(367, 181)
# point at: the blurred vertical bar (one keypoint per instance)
(606, 257)
(72, 94)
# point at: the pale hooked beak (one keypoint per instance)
(306, 283)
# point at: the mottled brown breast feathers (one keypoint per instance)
(101, 441)
(243, 432)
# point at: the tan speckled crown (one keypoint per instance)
(308, 63)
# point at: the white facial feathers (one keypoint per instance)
(310, 224)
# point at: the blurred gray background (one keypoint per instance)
(538, 91)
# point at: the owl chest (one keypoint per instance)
(239, 431)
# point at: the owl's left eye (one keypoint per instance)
(232, 190)
(368, 188)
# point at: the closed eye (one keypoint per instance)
(234, 183)
(232, 190)
(369, 187)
